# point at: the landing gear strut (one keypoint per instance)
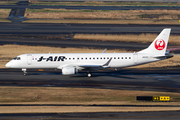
(24, 72)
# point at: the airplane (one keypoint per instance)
(72, 63)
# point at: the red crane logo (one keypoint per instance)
(159, 44)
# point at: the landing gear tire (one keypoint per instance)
(25, 74)
(89, 74)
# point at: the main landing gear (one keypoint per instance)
(24, 72)
(89, 74)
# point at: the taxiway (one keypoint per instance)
(165, 115)
(165, 80)
(56, 28)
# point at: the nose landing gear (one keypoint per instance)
(24, 72)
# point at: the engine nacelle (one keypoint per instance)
(69, 70)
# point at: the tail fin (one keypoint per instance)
(159, 45)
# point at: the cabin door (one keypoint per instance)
(135, 56)
(29, 59)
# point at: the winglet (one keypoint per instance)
(106, 64)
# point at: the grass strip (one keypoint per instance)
(74, 95)
(4, 13)
(8, 2)
(101, 3)
(141, 38)
(78, 96)
(80, 109)
(80, 21)
(103, 14)
(4, 20)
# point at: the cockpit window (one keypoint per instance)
(17, 58)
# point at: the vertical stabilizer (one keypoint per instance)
(159, 45)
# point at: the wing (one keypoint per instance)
(96, 66)
(88, 66)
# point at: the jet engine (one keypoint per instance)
(69, 70)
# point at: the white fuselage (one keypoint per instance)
(57, 61)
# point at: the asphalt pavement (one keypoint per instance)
(164, 80)
(31, 6)
(56, 28)
(164, 115)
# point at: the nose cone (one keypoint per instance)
(9, 64)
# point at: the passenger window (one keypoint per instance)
(104, 58)
(73, 58)
(93, 58)
(86, 58)
(81, 58)
(121, 57)
(97, 58)
(78, 58)
(118, 57)
(129, 57)
(125, 57)
(114, 57)
(90, 58)
(101, 57)
(107, 57)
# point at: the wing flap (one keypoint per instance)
(89, 66)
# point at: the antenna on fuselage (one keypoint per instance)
(104, 50)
